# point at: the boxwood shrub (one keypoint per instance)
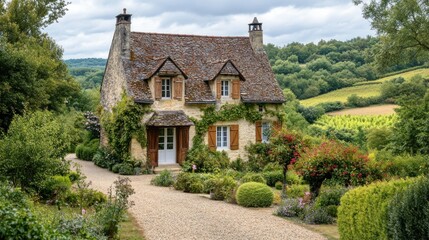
(254, 194)
(191, 182)
(363, 213)
(164, 179)
(86, 151)
(409, 212)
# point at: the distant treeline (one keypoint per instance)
(313, 69)
(86, 62)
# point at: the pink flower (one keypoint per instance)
(83, 211)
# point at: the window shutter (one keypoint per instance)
(236, 89)
(212, 138)
(152, 148)
(182, 143)
(233, 133)
(218, 88)
(178, 88)
(258, 131)
(158, 87)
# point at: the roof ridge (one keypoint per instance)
(189, 35)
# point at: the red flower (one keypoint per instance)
(293, 160)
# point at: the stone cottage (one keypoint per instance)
(177, 75)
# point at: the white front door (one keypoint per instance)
(167, 146)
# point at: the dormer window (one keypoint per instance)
(225, 88)
(166, 88)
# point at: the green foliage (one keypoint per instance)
(164, 179)
(344, 164)
(311, 114)
(356, 101)
(297, 190)
(258, 156)
(278, 185)
(404, 165)
(363, 212)
(316, 215)
(253, 177)
(55, 188)
(221, 187)
(86, 151)
(331, 106)
(290, 207)
(205, 160)
(330, 196)
(113, 211)
(238, 165)
(408, 215)
(33, 74)
(106, 158)
(228, 112)
(123, 124)
(253, 194)
(190, 182)
(411, 129)
(17, 219)
(402, 26)
(379, 138)
(33, 149)
(272, 177)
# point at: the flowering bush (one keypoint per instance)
(341, 163)
(285, 147)
(291, 207)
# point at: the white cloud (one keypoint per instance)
(87, 28)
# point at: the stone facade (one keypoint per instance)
(132, 70)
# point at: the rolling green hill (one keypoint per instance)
(87, 71)
(362, 89)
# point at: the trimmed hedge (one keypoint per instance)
(363, 211)
(253, 177)
(254, 194)
(86, 151)
(409, 212)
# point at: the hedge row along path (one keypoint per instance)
(165, 213)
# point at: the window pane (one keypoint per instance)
(161, 146)
(170, 146)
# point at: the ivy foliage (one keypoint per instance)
(228, 112)
(123, 124)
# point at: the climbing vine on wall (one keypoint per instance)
(228, 112)
(123, 124)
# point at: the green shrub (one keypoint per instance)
(17, 219)
(115, 168)
(290, 207)
(404, 165)
(205, 160)
(254, 194)
(253, 177)
(272, 177)
(126, 169)
(316, 215)
(190, 182)
(295, 191)
(363, 214)
(408, 212)
(332, 210)
(221, 187)
(55, 188)
(331, 106)
(330, 196)
(164, 179)
(86, 151)
(238, 165)
(106, 158)
(258, 156)
(279, 185)
(33, 150)
(272, 167)
(74, 176)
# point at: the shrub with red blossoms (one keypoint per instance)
(285, 147)
(342, 163)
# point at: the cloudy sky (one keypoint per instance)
(87, 28)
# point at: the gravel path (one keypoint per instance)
(165, 213)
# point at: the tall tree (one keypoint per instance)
(403, 26)
(33, 73)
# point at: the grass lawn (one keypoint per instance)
(363, 89)
(129, 229)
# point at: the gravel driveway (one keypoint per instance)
(165, 213)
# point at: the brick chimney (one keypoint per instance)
(123, 30)
(256, 36)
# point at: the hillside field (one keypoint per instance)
(363, 89)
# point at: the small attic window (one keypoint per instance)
(166, 88)
(261, 108)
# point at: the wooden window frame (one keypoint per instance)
(223, 130)
(164, 91)
(225, 93)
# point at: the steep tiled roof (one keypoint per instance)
(201, 58)
(169, 118)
